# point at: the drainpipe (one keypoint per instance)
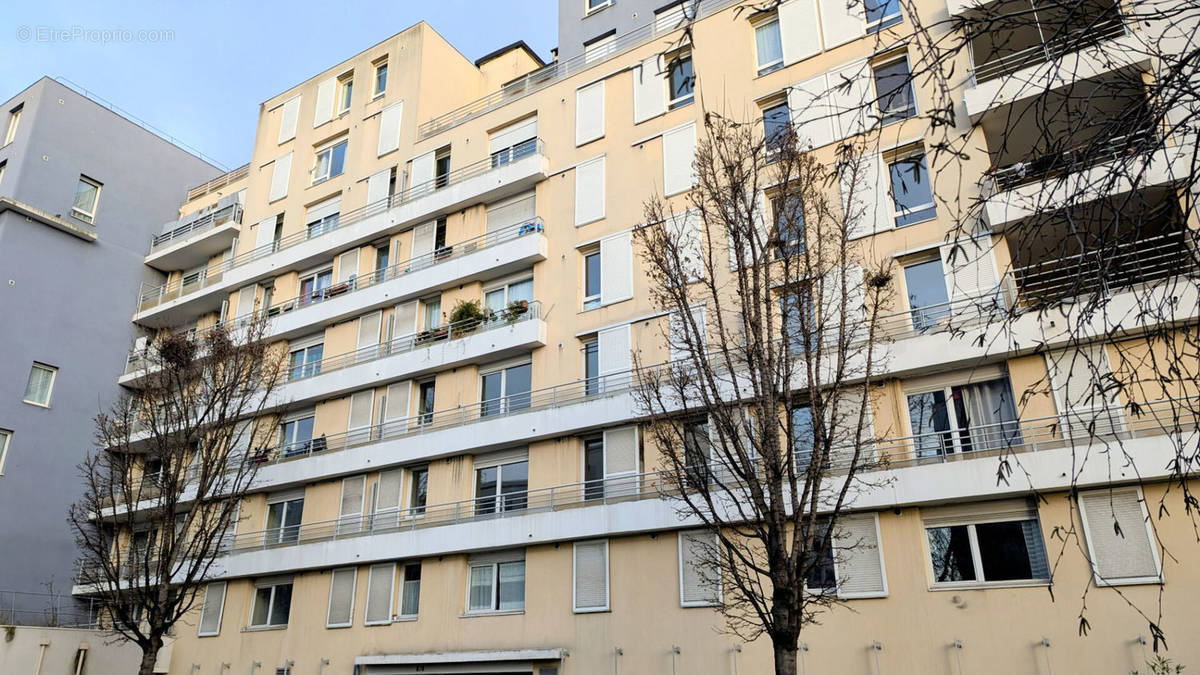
(617, 654)
(321, 665)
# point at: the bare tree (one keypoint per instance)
(762, 415)
(172, 461)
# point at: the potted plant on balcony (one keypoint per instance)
(466, 315)
(516, 309)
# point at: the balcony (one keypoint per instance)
(219, 182)
(162, 306)
(196, 241)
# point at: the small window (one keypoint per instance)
(777, 119)
(296, 437)
(315, 286)
(342, 584)
(591, 367)
(330, 162)
(496, 587)
(14, 120)
(591, 279)
(699, 579)
(441, 167)
(821, 576)
(911, 192)
(40, 385)
(431, 315)
(410, 591)
(882, 14)
(418, 495)
(799, 320)
(803, 440)
(595, 5)
(591, 576)
(272, 605)
(993, 544)
(681, 81)
(345, 92)
(380, 79)
(214, 607)
(5, 438)
(788, 220)
(87, 194)
(380, 594)
(502, 488)
(894, 91)
(928, 298)
(425, 400)
(768, 44)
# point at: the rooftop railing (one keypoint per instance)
(231, 213)
(1064, 162)
(154, 295)
(58, 610)
(1049, 50)
(219, 182)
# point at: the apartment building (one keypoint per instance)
(82, 190)
(448, 497)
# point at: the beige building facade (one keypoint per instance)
(442, 497)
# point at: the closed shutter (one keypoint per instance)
(621, 461)
(422, 172)
(287, 119)
(341, 597)
(347, 266)
(678, 335)
(616, 268)
(865, 196)
(424, 237)
(808, 104)
(379, 593)
(591, 576)
(509, 212)
(241, 437)
(499, 457)
(405, 319)
(995, 511)
(852, 401)
(615, 357)
(589, 191)
(397, 401)
(378, 187)
(264, 235)
(1128, 557)
(368, 336)
(972, 271)
(245, 300)
(831, 302)
(685, 229)
(281, 175)
(512, 134)
(324, 109)
(851, 91)
(589, 113)
(350, 514)
(679, 154)
(361, 403)
(1082, 381)
(389, 128)
(214, 607)
(649, 90)
(799, 30)
(841, 23)
(761, 232)
(699, 584)
(858, 557)
(388, 494)
(323, 209)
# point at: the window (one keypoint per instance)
(498, 299)
(345, 92)
(928, 298)
(14, 119)
(502, 488)
(40, 385)
(313, 286)
(799, 320)
(593, 468)
(382, 261)
(964, 418)
(381, 70)
(680, 81)
(410, 591)
(272, 604)
(590, 590)
(699, 581)
(591, 367)
(593, 5)
(882, 13)
(425, 399)
(439, 238)
(788, 216)
(777, 120)
(894, 91)
(5, 438)
(697, 450)
(432, 313)
(990, 542)
(419, 490)
(87, 194)
(283, 518)
(380, 594)
(591, 279)
(152, 472)
(1125, 557)
(342, 584)
(321, 218)
(441, 170)
(911, 191)
(3, 165)
(295, 437)
(768, 45)
(822, 574)
(802, 437)
(214, 607)
(305, 362)
(506, 390)
(497, 587)
(330, 162)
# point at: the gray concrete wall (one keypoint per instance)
(67, 302)
(574, 28)
(21, 648)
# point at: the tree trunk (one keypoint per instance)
(785, 657)
(149, 657)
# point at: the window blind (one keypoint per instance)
(591, 576)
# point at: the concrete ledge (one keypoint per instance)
(35, 214)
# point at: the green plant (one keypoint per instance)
(516, 308)
(1160, 666)
(466, 313)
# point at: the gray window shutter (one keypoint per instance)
(1128, 557)
(510, 212)
(591, 576)
(361, 403)
(615, 356)
(214, 607)
(858, 557)
(379, 593)
(350, 514)
(697, 586)
(377, 191)
(341, 597)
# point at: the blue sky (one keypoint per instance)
(204, 67)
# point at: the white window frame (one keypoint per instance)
(5, 441)
(505, 285)
(764, 68)
(88, 217)
(382, 63)
(498, 498)
(590, 9)
(285, 498)
(403, 582)
(353, 593)
(905, 156)
(720, 586)
(220, 613)
(345, 85)
(976, 559)
(575, 584)
(271, 606)
(887, 61)
(679, 56)
(1087, 532)
(884, 21)
(495, 603)
(502, 403)
(14, 121)
(597, 300)
(49, 390)
(327, 148)
(391, 608)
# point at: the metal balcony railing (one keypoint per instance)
(1049, 50)
(152, 295)
(1069, 161)
(1028, 435)
(231, 213)
(61, 610)
(218, 182)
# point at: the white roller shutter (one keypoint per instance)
(281, 175)
(697, 585)
(512, 134)
(405, 319)
(799, 30)
(808, 103)
(422, 171)
(341, 597)
(679, 154)
(350, 513)
(614, 357)
(1087, 403)
(685, 229)
(367, 345)
(388, 493)
(389, 128)
(424, 237)
(245, 300)
(288, 115)
(589, 113)
(621, 460)
(347, 266)
(1125, 558)
(326, 208)
(214, 608)
(851, 92)
(591, 576)
(589, 191)
(361, 403)
(972, 272)
(616, 268)
(379, 593)
(378, 186)
(264, 234)
(324, 109)
(397, 401)
(649, 90)
(842, 21)
(513, 211)
(865, 196)
(858, 557)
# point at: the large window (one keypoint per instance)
(928, 298)
(499, 298)
(802, 437)
(40, 384)
(799, 320)
(305, 361)
(821, 574)
(768, 46)
(502, 487)
(591, 367)
(680, 81)
(506, 390)
(313, 286)
(330, 162)
(699, 573)
(788, 216)
(964, 418)
(496, 586)
(87, 195)
(894, 90)
(283, 518)
(295, 436)
(991, 542)
(911, 192)
(272, 604)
